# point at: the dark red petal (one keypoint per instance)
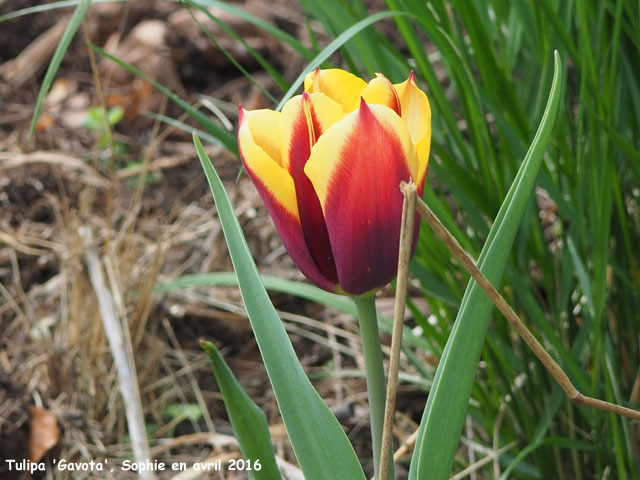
(364, 205)
(305, 130)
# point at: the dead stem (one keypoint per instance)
(108, 130)
(547, 360)
(404, 257)
(121, 351)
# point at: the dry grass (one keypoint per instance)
(53, 345)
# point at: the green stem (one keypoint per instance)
(374, 369)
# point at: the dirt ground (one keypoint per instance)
(142, 195)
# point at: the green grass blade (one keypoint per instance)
(248, 421)
(560, 442)
(39, 9)
(56, 60)
(258, 22)
(225, 52)
(270, 69)
(448, 401)
(321, 446)
(184, 127)
(227, 138)
(343, 38)
(289, 287)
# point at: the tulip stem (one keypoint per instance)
(374, 370)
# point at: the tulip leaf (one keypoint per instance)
(448, 400)
(320, 445)
(248, 421)
(56, 60)
(295, 288)
(184, 127)
(271, 282)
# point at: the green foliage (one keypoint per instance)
(98, 122)
(102, 123)
(573, 271)
(69, 32)
(321, 446)
(446, 407)
(183, 411)
(248, 421)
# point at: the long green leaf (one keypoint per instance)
(449, 397)
(291, 287)
(321, 446)
(38, 9)
(295, 288)
(248, 421)
(266, 65)
(184, 127)
(56, 60)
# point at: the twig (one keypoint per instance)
(33, 58)
(404, 256)
(126, 371)
(406, 446)
(189, 372)
(547, 360)
(474, 467)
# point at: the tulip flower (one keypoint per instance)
(328, 167)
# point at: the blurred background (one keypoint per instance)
(111, 152)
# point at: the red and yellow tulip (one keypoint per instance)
(328, 167)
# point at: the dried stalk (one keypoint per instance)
(119, 347)
(547, 360)
(404, 257)
(406, 234)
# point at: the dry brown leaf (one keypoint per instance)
(44, 123)
(34, 58)
(44, 432)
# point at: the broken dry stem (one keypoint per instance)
(121, 352)
(550, 364)
(404, 257)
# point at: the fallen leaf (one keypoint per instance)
(44, 432)
(44, 123)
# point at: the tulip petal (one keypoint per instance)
(340, 85)
(356, 168)
(380, 91)
(263, 125)
(260, 164)
(304, 119)
(416, 112)
(278, 192)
